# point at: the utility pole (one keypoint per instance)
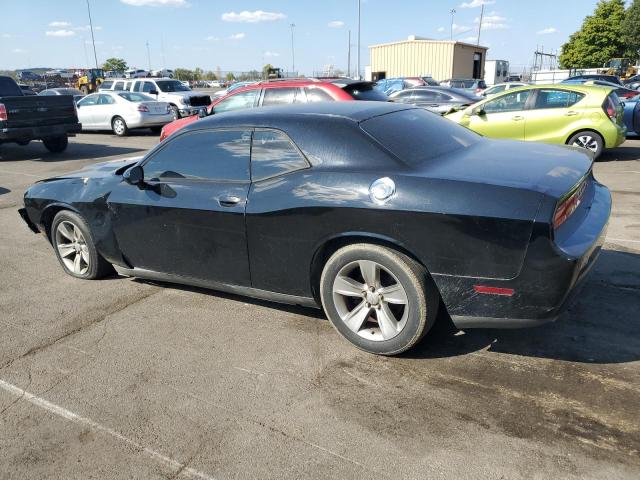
(293, 53)
(164, 63)
(148, 56)
(359, 11)
(480, 24)
(93, 40)
(453, 14)
(349, 57)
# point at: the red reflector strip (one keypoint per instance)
(507, 292)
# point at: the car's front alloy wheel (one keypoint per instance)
(379, 299)
(74, 247)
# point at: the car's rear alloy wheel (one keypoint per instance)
(588, 140)
(379, 299)
(75, 249)
(119, 126)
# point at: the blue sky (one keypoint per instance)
(241, 35)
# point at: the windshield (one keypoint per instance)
(417, 135)
(365, 91)
(69, 91)
(136, 97)
(172, 86)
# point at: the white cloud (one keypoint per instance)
(473, 40)
(477, 3)
(336, 24)
(441, 29)
(156, 3)
(59, 24)
(492, 22)
(237, 36)
(60, 33)
(98, 42)
(460, 28)
(271, 54)
(547, 31)
(252, 17)
(212, 38)
(6, 35)
(86, 28)
(19, 50)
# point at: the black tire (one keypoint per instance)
(119, 127)
(97, 267)
(156, 130)
(176, 112)
(588, 140)
(56, 144)
(422, 298)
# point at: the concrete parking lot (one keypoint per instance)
(129, 379)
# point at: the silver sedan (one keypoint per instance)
(123, 111)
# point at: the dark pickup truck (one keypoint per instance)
(27, 117)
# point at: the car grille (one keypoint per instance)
(200, 101)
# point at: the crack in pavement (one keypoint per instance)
(110, 311)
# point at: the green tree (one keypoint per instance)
(631, 30)
(198, 73)
(599, 39)
(265, 70)
(115, 64)
(184, 74)
(209, 75)
(230, 77)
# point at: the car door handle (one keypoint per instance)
(228, 200)
(517, 118)
(571, 114)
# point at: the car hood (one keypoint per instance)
(98, 170)
(549, 169)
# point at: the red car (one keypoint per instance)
(280, 92)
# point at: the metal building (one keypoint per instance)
(442, 59)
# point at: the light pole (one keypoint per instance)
(480, 23)
(93, 40)
(453, 14)
(349, 57)
(358, 72)
(149, 57)
(293, 53)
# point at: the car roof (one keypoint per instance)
(579, 87)
(272, 116)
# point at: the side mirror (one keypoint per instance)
(134, 176)
(153, 92)
(479, 111)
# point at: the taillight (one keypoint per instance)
(570, 204)
(610, 109)
(143, 108)
(3, 113)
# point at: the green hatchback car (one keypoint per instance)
(586, 116)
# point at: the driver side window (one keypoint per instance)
(88, 101)
(512, 102)
(221, 155)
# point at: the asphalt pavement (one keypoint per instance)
(122, 378)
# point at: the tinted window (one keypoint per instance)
(148, 86)
(366, 91)
(137, 87)
(238, 101)
(416, 135)
(119, 86)
(426, 95)
(496, 89)
(272, 154)
(317, 95)
(136, 97)
(172, 86)
(203, 155)
(106, 85)
(278, 96)
(47, 93)
(511, 102)
(557, 98)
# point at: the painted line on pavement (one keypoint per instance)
(87, 422)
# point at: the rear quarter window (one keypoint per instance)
(550, 98)
(416, 136)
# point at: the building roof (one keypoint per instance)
(415, 39)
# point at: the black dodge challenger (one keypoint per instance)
(381, 213)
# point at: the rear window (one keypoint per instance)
(9, 88)
(365, 91)
(550, 98)
(106, 85)
(417, 135)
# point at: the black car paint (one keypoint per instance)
(480, 215)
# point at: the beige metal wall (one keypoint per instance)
(441, 59)
(463, 60)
